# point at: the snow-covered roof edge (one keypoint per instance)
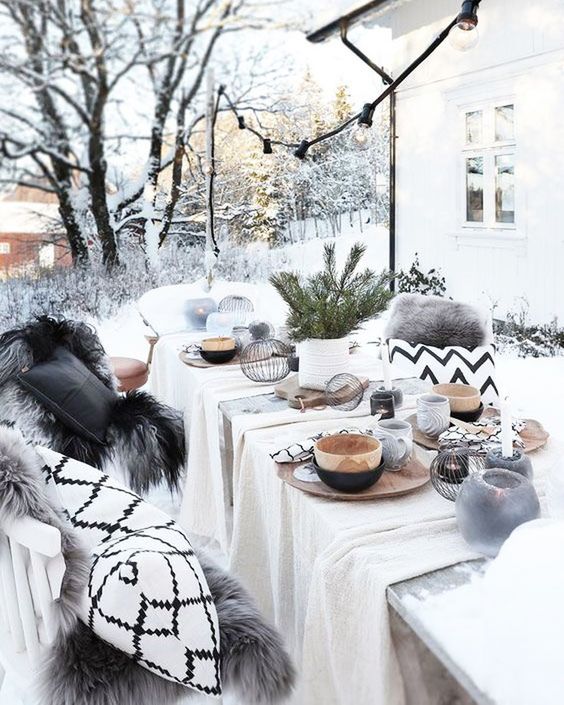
(368, 12)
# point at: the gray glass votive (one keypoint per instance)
(396, 392)
(518, 462)
(491, 504)
(382, 403)
(197, 311)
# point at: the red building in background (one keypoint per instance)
(31, 235)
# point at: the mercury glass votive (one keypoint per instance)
(491, 504)
(396, 392)
(518, 462)
(382, 403)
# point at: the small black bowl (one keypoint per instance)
(468, 416)
(350, 481)
(218, 357)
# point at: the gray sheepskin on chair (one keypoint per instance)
(81, 669)
(432, 320)
(144, 437)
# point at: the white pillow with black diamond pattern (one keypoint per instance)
(147, 594)
(474, 366)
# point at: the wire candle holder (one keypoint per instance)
(265, 361)
(239, 306)
(344, 391)
(452, 465)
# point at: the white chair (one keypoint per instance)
(31, 575)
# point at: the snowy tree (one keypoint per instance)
(97, 81)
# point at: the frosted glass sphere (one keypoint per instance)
(491, 504)
(220, 324)
(197, 312)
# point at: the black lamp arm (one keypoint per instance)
(386, 78)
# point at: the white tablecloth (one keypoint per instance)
(320, 568)
(197, 393)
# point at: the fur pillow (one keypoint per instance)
(432, 320)
(147, 594)
(450, 364)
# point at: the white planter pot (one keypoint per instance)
(322, 359)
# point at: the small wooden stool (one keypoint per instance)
(130, 373)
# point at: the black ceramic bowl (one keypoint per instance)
(350, 481)
(218, 357)
(468, 416)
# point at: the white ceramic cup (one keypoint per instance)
(396, 437)
(433, 414)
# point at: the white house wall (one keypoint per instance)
(520, 59)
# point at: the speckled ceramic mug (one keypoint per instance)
(433, 414)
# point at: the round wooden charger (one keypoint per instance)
(533, 435)
(392, 484)
(203, 364)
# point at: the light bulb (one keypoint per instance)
(361, 136)
(464, 36)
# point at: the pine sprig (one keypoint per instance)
(330, 305)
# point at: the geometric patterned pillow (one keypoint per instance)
(474, 366)
(147, 594)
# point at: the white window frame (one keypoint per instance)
(5, 248)
(489, 149)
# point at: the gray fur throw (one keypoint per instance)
(82, 669)
(145, 438)
(432, 320)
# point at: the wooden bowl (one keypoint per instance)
(218, 344)
(462, 397)
(348, 452)
(350, 482)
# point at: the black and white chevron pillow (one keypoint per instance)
(475, 366)
(147, 594)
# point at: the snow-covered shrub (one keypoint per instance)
(516, 336)
(94, 293)
(415, 281)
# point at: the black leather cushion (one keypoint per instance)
(66, 387)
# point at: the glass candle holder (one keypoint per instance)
(396, 392)
(197, 312)
(451, 466)
(491, 504)
(518, 462)
(382, 403)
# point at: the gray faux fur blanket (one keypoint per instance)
(81, 669)
(432, 320)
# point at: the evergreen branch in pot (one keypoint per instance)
(326, 307)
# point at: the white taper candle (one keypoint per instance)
(386, 371)
(506, 428)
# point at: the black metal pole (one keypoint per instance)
(392, 192)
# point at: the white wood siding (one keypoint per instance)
(520, 57)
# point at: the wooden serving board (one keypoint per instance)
(534, 435)
(203, 364)
(392, 484)
(290, 389)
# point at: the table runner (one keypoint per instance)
(320, 568)
(205, 506)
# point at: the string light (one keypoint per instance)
(463, 35)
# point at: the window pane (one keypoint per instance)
(505, 188)
(475, 189)
(504, 125)
(474, 127)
